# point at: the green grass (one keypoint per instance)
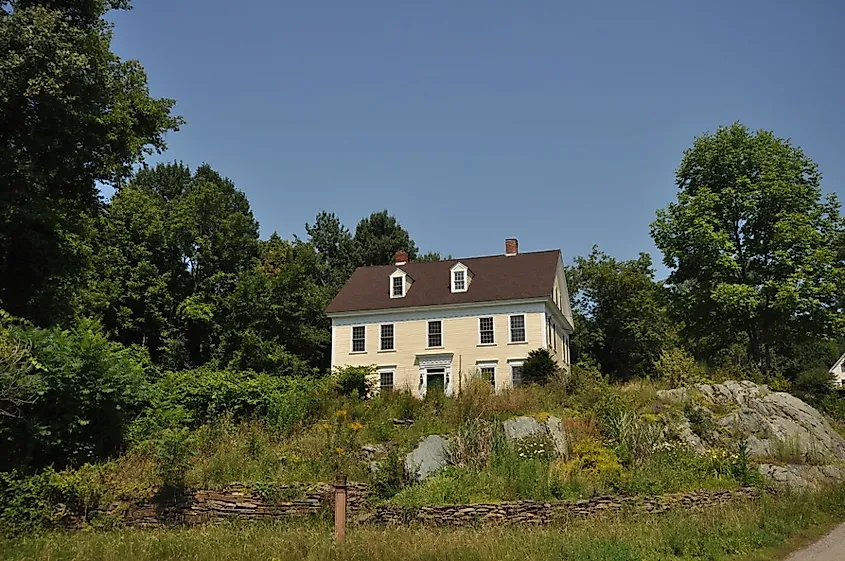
(743, 531)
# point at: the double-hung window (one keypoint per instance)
(459, 281)
(386, 338)
(488, 373)
(359, 339)
(386, 381)
(516, 375)
(435, 333)
(517, 325)
(486, 335)
(398, 287)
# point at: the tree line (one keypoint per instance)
(101, 299)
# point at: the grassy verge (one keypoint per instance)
(751, 531)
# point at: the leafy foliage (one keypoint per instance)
(73, 114)
(620, 312)
(677, 368)
(378, 238)
(354, 380)
(539, 367)
(91, 389)
(753, 247)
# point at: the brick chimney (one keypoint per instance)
(511, 246)
(401, 258)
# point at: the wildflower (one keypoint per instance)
(355, 426)
(339, 451)
(340, 413)
(325, 426)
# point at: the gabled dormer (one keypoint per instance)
(459, 277)
(400, 282)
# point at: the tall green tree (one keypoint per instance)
(379, 236)
(752, 247)
(170, 250)
(274, 320)
(621, 314)
(74, 114)
(336, 248)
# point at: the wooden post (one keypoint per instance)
(340, 507)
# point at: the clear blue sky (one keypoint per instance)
(559, 123)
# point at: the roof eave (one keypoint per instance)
(456, 306)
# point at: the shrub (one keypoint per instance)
(20, 382)
(202, 395)
(354, 380)
(91, 389)
(173, 455)
(389, 478)
(592, 459)
(814, 386)
(677, 368)
(539, 367)
(25, 505)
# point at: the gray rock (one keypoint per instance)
(767, 419)
(801, 477)
(688, 437)
(522, 427)
(554, 426)
(371, 450)
(518, 428)
(430, 455)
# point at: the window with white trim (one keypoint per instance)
(486, 334)
(386, 381)
(359, 339)
(398, 287)
(459, 281)
(516, 375)
(435, 333)
(517, 328)
(488, 373)
(386, 337)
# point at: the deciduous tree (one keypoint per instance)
(751, 243)
(74, 114)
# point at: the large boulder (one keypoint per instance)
(517, 428)
(802, 477)
(770, 421)
(431, 454)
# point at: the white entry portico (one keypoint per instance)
(435, 370)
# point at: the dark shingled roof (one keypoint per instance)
(495, 278)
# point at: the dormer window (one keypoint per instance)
(459, 283)
(400, 282)
(460, 277)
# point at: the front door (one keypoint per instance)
(435, 380)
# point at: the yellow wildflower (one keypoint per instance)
(339, 451)
(340, 413)
(356, 426)
(325, 426)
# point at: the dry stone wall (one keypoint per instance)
(238, 502)
(241, 503)
(537, 513)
